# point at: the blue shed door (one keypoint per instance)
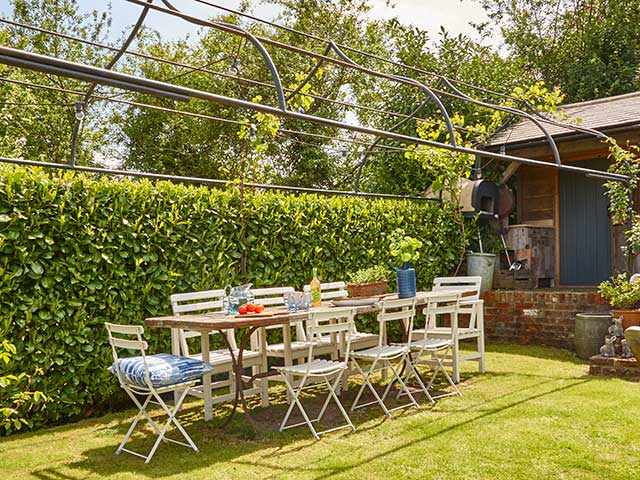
(585, 228)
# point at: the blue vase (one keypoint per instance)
(406, 278)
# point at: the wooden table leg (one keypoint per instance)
(206, 380)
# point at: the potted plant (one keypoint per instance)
(368, 282)
(624, 298)
(405, 250)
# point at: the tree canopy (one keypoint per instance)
(584, 48)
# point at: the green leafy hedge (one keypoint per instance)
(77, 251)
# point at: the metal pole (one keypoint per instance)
(47, 64)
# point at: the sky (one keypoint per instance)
(454, 15)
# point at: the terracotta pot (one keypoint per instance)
(630, 318)
(367, 289)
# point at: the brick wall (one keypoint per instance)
(537, 317)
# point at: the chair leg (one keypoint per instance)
(295, 401)
(141, 411)
(160, 432)
(403, 386)
(455, 361)
(412, 367)
(367, 383)
(440, 366)
(170, 420)
(480, 325)
(332, 393)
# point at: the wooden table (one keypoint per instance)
(205, 323)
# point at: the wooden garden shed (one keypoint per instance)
(571, 206)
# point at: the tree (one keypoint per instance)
(588, 48)
(34, 123)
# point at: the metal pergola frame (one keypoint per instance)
(131, 83)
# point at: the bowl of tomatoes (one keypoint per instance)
(250, 308)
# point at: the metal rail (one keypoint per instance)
(43, 63)
(235, 78)
(210, 181)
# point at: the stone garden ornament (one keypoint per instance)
(608, 350)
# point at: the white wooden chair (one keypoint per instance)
(383, 356)
(471, 305)
(220, 359)
(317, 372)
(334, 290)
(436, 350)
(146, 376)
(296, 347)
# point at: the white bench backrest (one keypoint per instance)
(459, 283)
(198, 302)
(270, 296)
(331, 290)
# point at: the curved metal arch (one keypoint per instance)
(365, 157)
(411, 81)
(78, 123)
(514, 111)
(43, 63)
(552, 121)
(310, 75)
(282, 102)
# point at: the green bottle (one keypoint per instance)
(316, 291)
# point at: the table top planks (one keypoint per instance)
(279, 316)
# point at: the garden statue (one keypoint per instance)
(615, 329)
(607, 350)
(626, 351)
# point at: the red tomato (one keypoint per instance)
(242, 309)
(251, 307)
(259, 308)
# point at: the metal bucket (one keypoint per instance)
(591, 329)
(483, 265)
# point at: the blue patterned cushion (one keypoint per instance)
(164, 369)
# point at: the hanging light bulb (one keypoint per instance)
(234, 69)
(253, 132)
(79, 110)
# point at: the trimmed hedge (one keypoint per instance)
(77, 251)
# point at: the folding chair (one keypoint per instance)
(436, 349)
(292, 348)
(383, 356)
(319, 371)
(471, 305)
(150, 376)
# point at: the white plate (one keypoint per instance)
(354, 302)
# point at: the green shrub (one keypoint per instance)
(377, 273)
(77, 251)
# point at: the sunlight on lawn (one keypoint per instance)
(535, 415)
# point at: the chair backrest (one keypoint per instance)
(337, 323)
(331, 290)
(469, 284)
(402, 309)
(444, 303)
(138, 345)
(273, 296)
(270, 296)
(198, 302)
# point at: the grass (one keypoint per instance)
(534, 415)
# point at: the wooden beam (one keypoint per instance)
(509, 172)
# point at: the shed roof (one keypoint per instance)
(601, 114)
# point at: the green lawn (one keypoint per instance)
(535, 415)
